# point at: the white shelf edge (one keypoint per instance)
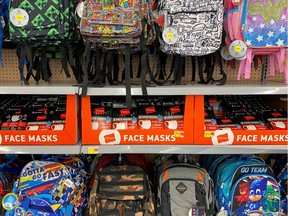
(231, 88)
(51, 88)
(186, 149)
(37, 149)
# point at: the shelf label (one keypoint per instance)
(179, 134)
(207, 134)
(93, 150)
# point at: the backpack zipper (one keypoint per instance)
(193, 12)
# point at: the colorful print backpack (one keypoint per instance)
(111, 24)
(257, 27)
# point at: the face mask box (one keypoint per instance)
(173, 116)
(150, 116)
(124, 118)
(251, 122)
(14, 120)
(277, 120)
(39, 122)
(101, 116)
(210, 122)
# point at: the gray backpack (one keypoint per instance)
(185, 190)
(190, 27)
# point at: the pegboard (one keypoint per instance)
(10, 70)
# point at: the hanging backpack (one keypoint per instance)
(184, 189)
(192, 28)
(121, 188)
(4, 16)
(245, 185)
(44, 30)
(257, 28)
(115, 27)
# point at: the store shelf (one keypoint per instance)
(184, 149)
(29, 149)
(51, 88)
(242, 87)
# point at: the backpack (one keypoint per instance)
(246, 185)
(184, 189)
(191, 28)
(257, 28)
(44, 30)
(121, 188)
(113, 27)
(4, 16)
(47, 187)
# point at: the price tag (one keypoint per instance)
(179, 134)
(208, 134)
(93, 150)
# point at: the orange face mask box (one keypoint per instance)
(250, 132)
(149, 130)
(39, 130)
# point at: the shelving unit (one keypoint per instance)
(232, 87)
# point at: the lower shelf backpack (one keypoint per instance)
(245, 185)
(185, 189)
(46, 188)
(121, 188)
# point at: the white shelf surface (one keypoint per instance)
(184, 149)
(51, 88)
(34, 149)
(242, 87)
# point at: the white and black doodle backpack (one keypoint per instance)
(190, 27)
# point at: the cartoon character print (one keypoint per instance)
(272, 198)
(243, 196)
(256, 194)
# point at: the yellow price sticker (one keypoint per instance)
(170, 35)
(207, 134)
(93, 150)
(19, 17)
(237, 48)
(179, 134)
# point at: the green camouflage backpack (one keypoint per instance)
(39, 25)
(121, 190)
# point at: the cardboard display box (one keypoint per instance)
(169, 132)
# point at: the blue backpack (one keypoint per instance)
(245, 185)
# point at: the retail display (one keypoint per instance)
(239, 120)
(32, 119)
(165, 120)
(138, 71)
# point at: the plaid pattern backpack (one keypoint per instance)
(44, 29)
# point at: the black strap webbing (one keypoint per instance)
(64, 60)
(127, 75)
(43, 61)
(87, 59)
